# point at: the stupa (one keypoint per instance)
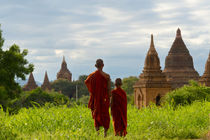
(46, 83)
(179, 67)
(64, 73)
(205, 79)
(152, 84)
(31, 84)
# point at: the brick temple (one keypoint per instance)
(64, 72)
(46, 84)
(31, 84)
(205, 78)
(179, 67)
(152, 84)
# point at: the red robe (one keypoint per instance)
(97, 85)
(119, 111)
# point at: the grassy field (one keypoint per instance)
(61, 122)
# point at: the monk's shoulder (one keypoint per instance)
(90, 76)
(107, 76)
(123, 91)
(114, 91)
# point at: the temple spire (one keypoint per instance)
(178, 33)
(46, 83)
(152, 42)
(152, 60)
(205, 78)
(179, 67)
(152, 47)
(31, 84)
(209, 56)
(152, 84)
(64, 73)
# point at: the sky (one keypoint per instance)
(118, 31)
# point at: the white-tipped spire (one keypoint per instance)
(178, 33)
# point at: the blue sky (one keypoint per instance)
(118, 31)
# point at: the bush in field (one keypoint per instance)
(84, 100)
(128, 84)
(3, 96)
(188, 94)
(130, 99)
(38, 97)
(65, 87)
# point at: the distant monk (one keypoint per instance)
(98, 84)
(119, 109)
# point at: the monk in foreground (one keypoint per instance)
(119, 109)
(98, 84)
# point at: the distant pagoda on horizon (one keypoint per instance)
(152, 84)
(205, 78)
(64, 72)
(46, 84)
(31, 84)
(179, 67)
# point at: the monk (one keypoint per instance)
(98, 84)
(119, 109)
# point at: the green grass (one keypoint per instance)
(61, 122)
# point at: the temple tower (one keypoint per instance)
(205, 79)
(64, 73)
(46, 83)
(179, 67)
(31, 84)
(152, 84)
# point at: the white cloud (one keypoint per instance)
(112, 15)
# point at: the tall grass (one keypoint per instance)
(61, 122)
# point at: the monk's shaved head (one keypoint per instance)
(99, 63)
(118, 82)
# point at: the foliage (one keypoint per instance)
(128, 84)
(82, 89)
(61, 122)
(188, 94)
(65, 87)
(69, 88)
(130, 99)
(3, 96)
(37, 97)
(12, 65)
(84, 100)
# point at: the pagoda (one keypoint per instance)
(64, 73)
(152, 84)
(179, 67)
(46, 84)
(31, 84)
(205, 79)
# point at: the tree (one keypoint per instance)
(128, 84)
(82, 89)
(12, 65)
(65, 87)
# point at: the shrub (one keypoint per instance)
(37, 98)
(84, 100)
(130, 99)
(188, 94)
(3, 96)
